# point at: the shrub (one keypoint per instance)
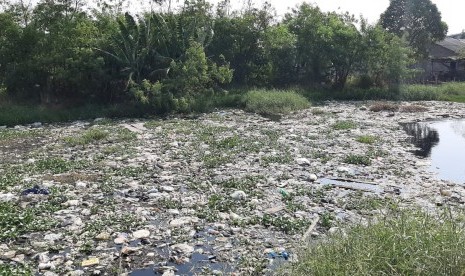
(273, 102)
(400, 243)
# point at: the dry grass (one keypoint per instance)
(413, 108)
(384, 106)
(393, 107)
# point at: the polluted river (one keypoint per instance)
(224, 193)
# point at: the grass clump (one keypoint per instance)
(344, 125)
(90, 136)
(357, 159)
(17, 269)
(367, 139)
(56, 165)
(400, 243)
(273, 102)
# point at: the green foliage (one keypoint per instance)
(274, 101)
(16, 220)
(91, 135)
(402, 242)
(358, 159)
(285, 224)
(11, 115)
(8, 269)
(385, 58)
(161, 62)
(367, 139)
(344, 125)
(452, 91)
(196, 75)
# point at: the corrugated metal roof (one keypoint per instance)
(455, 45)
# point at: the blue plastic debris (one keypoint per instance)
(36, 190)
(285, 255)
(275, 255)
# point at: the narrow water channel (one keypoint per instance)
(444, 143)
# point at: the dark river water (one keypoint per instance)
(444, 143)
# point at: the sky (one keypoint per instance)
(452, 12)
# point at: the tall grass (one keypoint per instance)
(273, 102)
(401, 243)
(450, 91)
(11, 115)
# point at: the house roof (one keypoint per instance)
(455, 45)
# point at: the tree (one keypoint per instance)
(384, 57)
(305, 23)
(328, 45)
(419, 21)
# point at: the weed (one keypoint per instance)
(9, 177)
(322, 156)
(16, 269)
(204, 212)
(213, 161)
(134, 172)
(291, 204)
(326, 220)
(285, 158)
(87, 247)
(359, 201)
(16, 220)
(248, 183)
(222, 204)
(401, 242)
(357, 159)
(344, 125)
(121, 222)
(367, 139)
(229, 142)
(284, 224)
(169, 203)
(11, 134)
(56, 165)
(124, 134)
(90, 136)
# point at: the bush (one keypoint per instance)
(400, 243)
(273, 102)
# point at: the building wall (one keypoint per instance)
(434, 71)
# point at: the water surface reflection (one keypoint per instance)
(444, 143)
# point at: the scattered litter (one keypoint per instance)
(36, 190)
(275, 255)
(90, 262)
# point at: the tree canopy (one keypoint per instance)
(418, 21)
(169, 60)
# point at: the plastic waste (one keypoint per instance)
(283, 192)
(90, 262)
(36, 190)
(275, 255)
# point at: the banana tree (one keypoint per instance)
(135, 48)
